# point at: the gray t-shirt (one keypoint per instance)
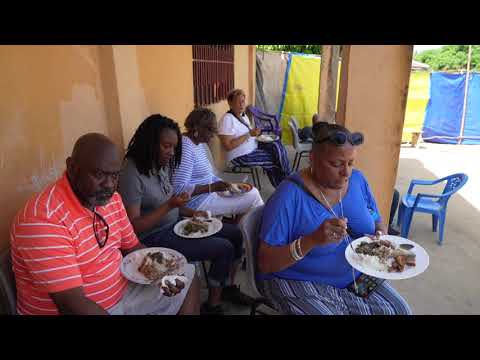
(150, 192)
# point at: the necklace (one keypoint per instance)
(329, 207)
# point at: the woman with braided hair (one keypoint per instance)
(153, 208)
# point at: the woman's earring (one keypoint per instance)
(195, 134)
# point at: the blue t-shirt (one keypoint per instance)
(291, 212)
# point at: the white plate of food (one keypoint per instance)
(150, 265)
(267, 138)
(236, 189)
(192, 228)
(385, 259)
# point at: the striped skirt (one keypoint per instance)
(294, 297)
(272, 157)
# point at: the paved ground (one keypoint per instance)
(450, 284)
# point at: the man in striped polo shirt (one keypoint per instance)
(68, 243)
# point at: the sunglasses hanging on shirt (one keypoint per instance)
(100, 229)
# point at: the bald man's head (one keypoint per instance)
(93, 169)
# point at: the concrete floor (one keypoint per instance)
(449, 285)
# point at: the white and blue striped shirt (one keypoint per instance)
(195, 169)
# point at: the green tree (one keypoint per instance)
(450, 58)
(306, 49)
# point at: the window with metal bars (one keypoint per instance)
(213, 73)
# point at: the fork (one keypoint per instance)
(349, 239)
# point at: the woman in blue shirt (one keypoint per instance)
(301, 256)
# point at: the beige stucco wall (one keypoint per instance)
(50, 96)
(153, 79)
(166, 74)
(158, 79)
(373, 94)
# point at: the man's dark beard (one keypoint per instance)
(103, 197)
(99, 198)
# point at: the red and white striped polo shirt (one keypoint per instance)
(54, 249)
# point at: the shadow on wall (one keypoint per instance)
(446, 286)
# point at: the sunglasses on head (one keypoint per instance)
(339, 138)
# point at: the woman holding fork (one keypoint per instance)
(307, 225)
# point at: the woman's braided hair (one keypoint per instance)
(143, 148)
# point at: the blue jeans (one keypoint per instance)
(221, 249)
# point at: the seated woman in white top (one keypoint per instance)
(239, 140)
(195, 174)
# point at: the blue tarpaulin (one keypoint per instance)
(472, 120)
(443, 115)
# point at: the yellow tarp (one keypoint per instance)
(302, 91)
(418, 94)
(301, 95)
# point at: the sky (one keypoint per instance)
(418, 48)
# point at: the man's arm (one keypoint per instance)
(74, 302)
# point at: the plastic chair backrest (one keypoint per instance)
(264, 121)
(294, 121)
(454, 183)
(249, 225)
(8, 289)
(294, 131)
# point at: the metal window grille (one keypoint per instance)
(213, 73)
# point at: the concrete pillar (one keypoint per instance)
(110, 93)
(328, 83)
(373, 95)
(131, 97)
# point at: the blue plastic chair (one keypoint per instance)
(429, 203)
(266, 122)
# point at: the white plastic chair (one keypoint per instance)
(301, 149)
(249, 225)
